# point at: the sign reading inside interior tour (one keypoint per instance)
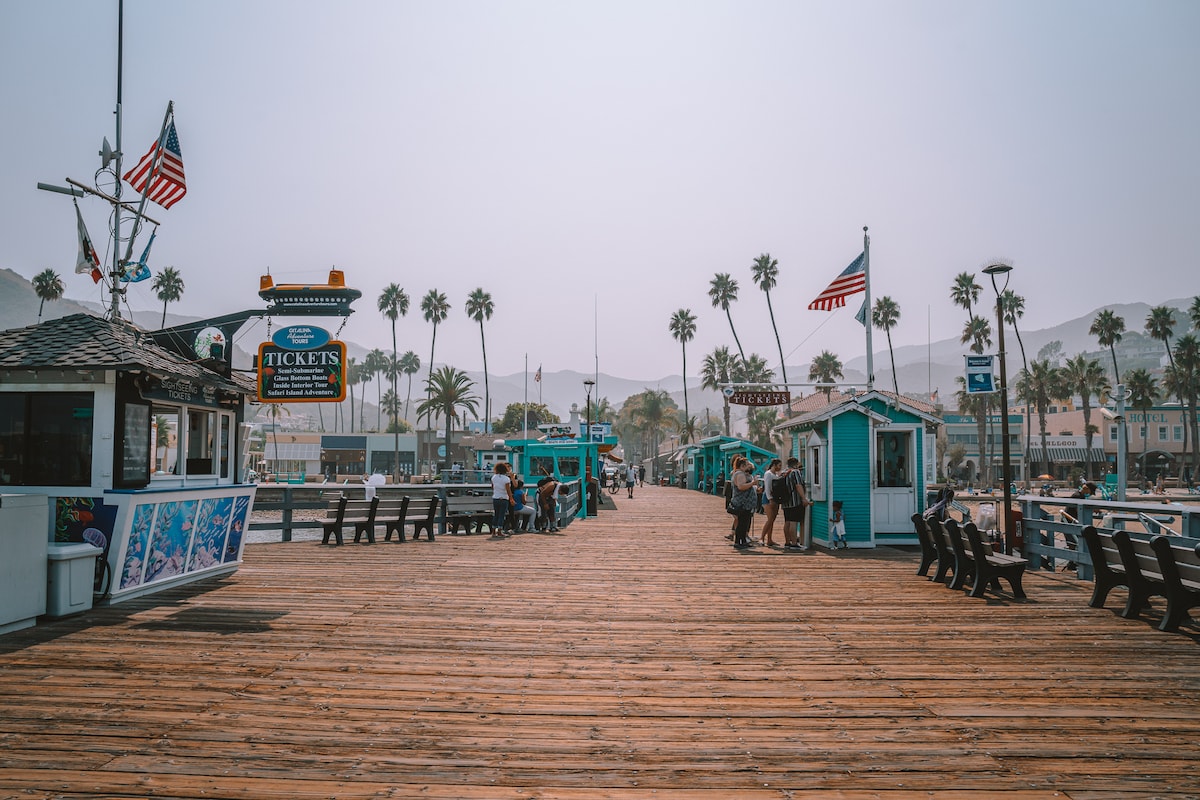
(309, 376)
(755, 398)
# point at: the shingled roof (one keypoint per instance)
(84, 341)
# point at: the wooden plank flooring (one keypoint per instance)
(635, 655)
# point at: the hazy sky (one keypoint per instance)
(584, 160)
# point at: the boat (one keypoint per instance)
(333, 297)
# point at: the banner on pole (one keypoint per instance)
(980, 376)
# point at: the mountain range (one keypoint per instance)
(920, 370)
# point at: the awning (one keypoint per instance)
(288, 451)
(1068, 455)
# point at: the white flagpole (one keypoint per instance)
(525, 424)
(870, 316)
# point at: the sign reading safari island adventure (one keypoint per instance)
(302, 364)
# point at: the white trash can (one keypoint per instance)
(71, 577)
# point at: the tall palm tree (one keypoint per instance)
(717, 370)
(449, 390)
(965, 292)
(1187, 365)
(825, 368)
(683, 330)
(480, 307)
(435, 308)
(1013, 307)
(376, 365)
(978, 331)
(654, 411)
(759, 422)
(410, 364)
(168, 287)
(1044, 383)
(47, 286)
(1194, 313)
(353, 378)
(1160, 324)
(1108, 328)
(1143, 394)
(1085, 377)
(393, 303)
(884, 316)
(766, 275)
(723, 290)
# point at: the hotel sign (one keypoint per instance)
(754, 398)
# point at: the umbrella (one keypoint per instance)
(1044, 477)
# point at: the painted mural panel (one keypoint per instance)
(172, 535)
(211, 529)
(237, 527)
(139, 541)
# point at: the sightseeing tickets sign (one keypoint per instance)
(301, 364)
(760, 398)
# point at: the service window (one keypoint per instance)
(46, 438)
(134, 446)
(568, 466)
(199, 444)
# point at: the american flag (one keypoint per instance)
(852, 280)
(537, 377)
(168, 186)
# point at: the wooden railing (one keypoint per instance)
(281, 501)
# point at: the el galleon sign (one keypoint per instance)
(301, 365)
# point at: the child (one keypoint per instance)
(837, 526)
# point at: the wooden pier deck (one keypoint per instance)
(635, 655)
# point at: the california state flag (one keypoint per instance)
(87, 261)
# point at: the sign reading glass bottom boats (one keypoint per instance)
(301, 364)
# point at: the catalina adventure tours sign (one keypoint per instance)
(302, 363)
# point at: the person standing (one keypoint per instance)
(641, 475)
(744, 501)
(770, 503)
(502, 498)
(795, 501)
(630, 479)
(547, 500)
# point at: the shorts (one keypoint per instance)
(793, 513)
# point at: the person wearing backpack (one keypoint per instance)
(771, 500)
(794, 501)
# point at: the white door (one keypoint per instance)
(895, 496)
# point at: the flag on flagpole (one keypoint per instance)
(162, 168)
(87, 261)
(852, 280)
(142, 271)
(861, 316)
(537, 376)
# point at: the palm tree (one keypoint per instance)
(683, 330)
(391, 404)
(376, 363)
(978, 331)
(353, 377)
(410, 364)
(1160, 324)
(759, 422)
(1108, 328)
(1043, 383)
(1143, 394)
(717, 370)
(1086, 377)
(965, 292)
(448, 391)
(168, 287)
(435, 308)
(723, 290)
(884, 316)
(1013, 306)
(766, 275)
(480, 307)
(654, 411)
(825, 368)
(47, 286)
(393, 303)
(1187, 365)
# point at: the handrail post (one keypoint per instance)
(286, 523)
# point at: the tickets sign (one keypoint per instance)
(317, 375)
(756, 398)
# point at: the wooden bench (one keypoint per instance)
(471, 511)
(1108, 568)
(343, 511)
(929, 551)
(1142, 576)
(420, 511)
(964, 565)
(991, 566)
(1179, 566)
(941, 541)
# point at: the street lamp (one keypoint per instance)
(587, 385)
(992, 272)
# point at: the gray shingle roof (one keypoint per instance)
(83, 341)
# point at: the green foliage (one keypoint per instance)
(513, 420)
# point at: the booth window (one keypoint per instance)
(568, 466)
(46, 438)
(541, 465)
(204, 441)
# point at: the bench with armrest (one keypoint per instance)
(964, 565)
(470, 511)
(342, 512)
(1179, 566)
(929, 551)
(991, 566)
(1142, 576)
(1108, 570)
(946, 563)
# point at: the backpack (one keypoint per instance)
(779, 489)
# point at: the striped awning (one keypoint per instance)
(1067, 455)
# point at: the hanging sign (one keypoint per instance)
(301, 337)
(980, 378)
(316, 375)
(756, 398)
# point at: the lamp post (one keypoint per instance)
(993, 271)
(587, 385)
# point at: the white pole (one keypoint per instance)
(867, 300)
(525, 424)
